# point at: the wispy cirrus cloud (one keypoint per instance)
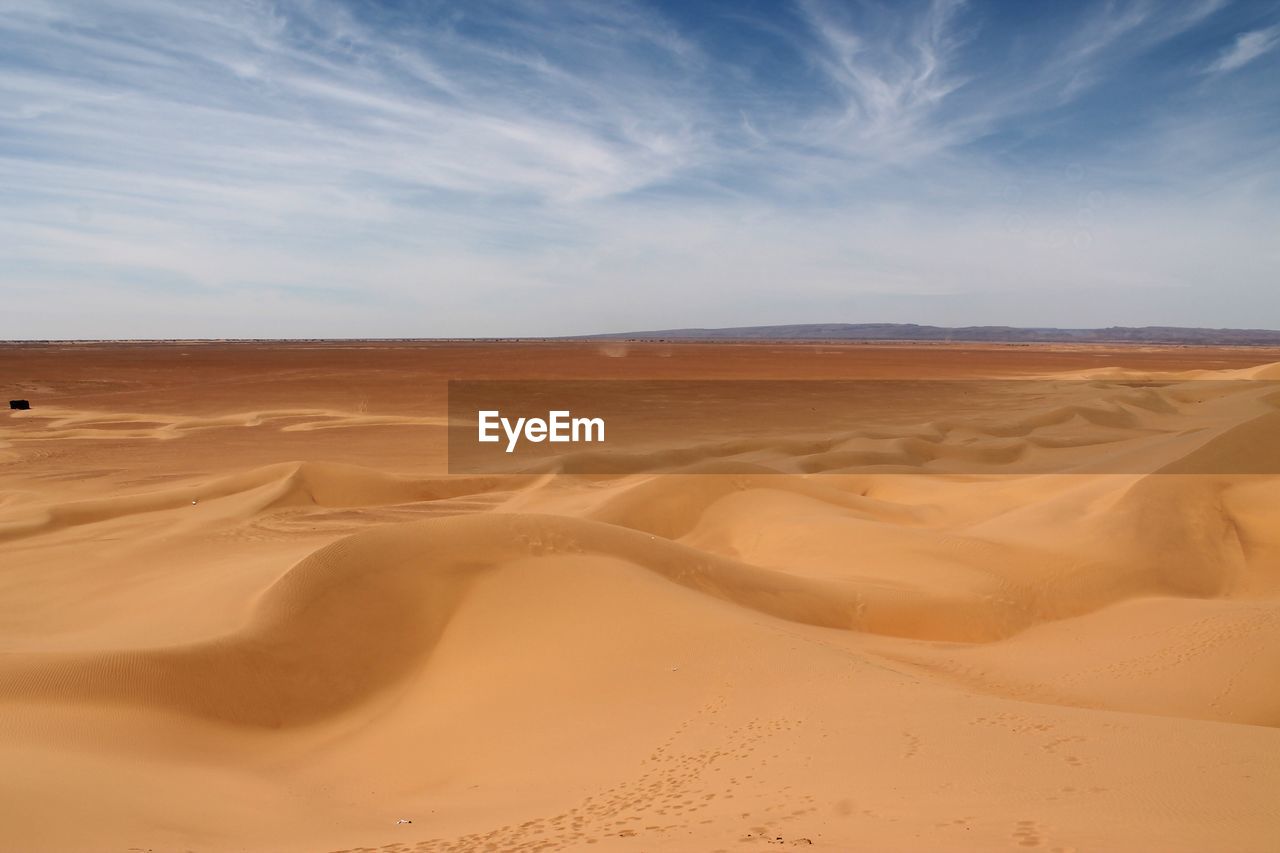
(892, 73)
(529, 167)
(1247, 47)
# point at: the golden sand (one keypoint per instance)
(243, 606)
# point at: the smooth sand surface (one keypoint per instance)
(243, 606)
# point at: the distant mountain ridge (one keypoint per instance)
(988, 334)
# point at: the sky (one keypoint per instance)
(352, 168)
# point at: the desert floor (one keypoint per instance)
(243, 606)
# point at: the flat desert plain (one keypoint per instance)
(245, 606)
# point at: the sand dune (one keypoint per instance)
(1046, 621)
(274, 486)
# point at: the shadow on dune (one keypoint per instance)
(365, 612)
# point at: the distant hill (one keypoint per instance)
(988, 334)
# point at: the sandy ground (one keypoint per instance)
(243, 606)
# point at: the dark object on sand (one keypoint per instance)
(20, 405)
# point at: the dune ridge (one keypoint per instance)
(362, 612)
(1106, 426)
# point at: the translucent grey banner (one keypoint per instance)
(899, 426)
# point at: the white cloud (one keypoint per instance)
(208, 168)
(890, 84)
(1247, 47)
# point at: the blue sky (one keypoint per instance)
(317, 168)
